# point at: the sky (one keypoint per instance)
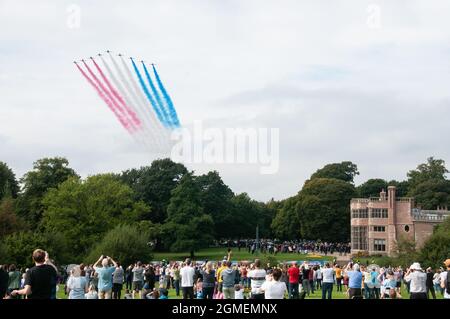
(354, 80)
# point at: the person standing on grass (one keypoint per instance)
(257, 277)
(418, 282)
(77, 285)
(294, 274)
(129, 277)
(445, 280)
(429, 283)
(327, 281)
(338, 272)
(3, 281)
(274, 289)
(354, 281)
(118, 278)
(40, 280)
(104, 274)
(209, 281)
(229, 277)
(138, 279)
(187, 274)
(13, 278)
(319, 277)
(305, 281)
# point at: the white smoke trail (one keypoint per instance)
(144, 130)
(162, 132)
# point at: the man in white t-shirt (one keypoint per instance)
(327, 281)
(187, 274)
(258, 277)
(417, 279)
(445, 280)
(274, 288)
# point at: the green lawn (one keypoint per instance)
(219, 253)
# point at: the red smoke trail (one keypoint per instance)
(110, 97)
(125, 124)
(130, 112)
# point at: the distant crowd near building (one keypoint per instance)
(378, 223)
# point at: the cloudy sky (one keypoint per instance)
(366, 81)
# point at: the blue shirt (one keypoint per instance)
(354, 279)
(104, 277)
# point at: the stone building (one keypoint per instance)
(377, 223)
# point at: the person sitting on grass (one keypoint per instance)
(127, 294)
(164, 294)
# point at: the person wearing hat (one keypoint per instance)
(445, 279)
(418, 282)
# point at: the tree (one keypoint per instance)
(84, 210)
(153, 185)
(432, 193)
(437, 248)
(372, 188)
(47, 173)
(324, 210)
(125, 244)
(345, 171)
(246, 215)
(402, 187)
(187, 226)
(215, 199)
(8, 182)
(433, 169)
(286, 223)
(9, 222)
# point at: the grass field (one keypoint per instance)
(219, 253)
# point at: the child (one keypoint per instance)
(91, 294)
(127, 294)
(238, 292)
(199, 288)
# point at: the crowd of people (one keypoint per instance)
(274, 246)
(105, 279)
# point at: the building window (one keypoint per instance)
(379, 244)
(360, 213)
(359, 237)
(379, 213)
(406, 228)
(379, 228)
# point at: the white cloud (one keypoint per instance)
(337, 89)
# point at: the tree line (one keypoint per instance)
(164, 206)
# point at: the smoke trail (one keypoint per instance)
(173, 113)
(149, 96)
(108, 94)
(138, 95)
(157, 96)
(128, 111)
(105, 99)
(131, 103)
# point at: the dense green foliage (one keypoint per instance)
(165, 207)
(127, 243)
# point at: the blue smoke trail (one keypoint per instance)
(155, 92)
(149, 96)
(172, 112)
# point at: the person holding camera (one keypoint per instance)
(418, 282)
(105, 273)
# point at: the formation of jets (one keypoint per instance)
(108, 51)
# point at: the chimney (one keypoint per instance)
(383, 195)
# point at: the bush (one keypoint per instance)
(125, 244)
